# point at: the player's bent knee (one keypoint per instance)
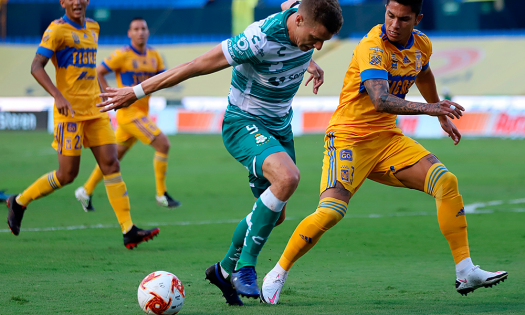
(441, 183)
(66, 177)
(110, 167)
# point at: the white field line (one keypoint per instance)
(471, 209)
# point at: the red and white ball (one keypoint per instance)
(161, 293)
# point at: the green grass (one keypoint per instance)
(395, 263)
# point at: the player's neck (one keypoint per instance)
(140, 48)
(80, 21)
(290, 25)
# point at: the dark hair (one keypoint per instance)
(415, 5)
(138, 18)
(326, 12)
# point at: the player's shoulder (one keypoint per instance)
(152, 50)
(92, 24)
(421, 37)
(57, 24)
(274, 27)
(375, 37)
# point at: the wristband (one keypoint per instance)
(139, 92)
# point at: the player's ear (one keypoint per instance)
(62, 4)
(418, 19)
(299, 19)
(129, 33)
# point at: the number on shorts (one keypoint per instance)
(78, 145)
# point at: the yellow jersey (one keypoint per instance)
(131, 68)
(73, 50)
(375, 57)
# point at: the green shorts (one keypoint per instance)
(249, 141)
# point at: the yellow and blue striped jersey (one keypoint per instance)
(73, 50)
(131, 68)
(375, 57)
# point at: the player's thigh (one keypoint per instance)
(123, 137)
(250, 143)
(98, 132)
(347, 162)
(142, 128)
(403, 152)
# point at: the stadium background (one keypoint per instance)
(68, 262)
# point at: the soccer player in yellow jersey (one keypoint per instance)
(132, 65)
(71, 42)
(362, 141)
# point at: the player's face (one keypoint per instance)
(138, 32)
(75, 9)
(400, 22)
(310, 35)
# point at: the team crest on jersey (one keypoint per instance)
(69, 143)
(345, 175)
(76, 39)
(135, 64)
(71, 127)
(154, 62)
(260, 139)
(394, 61)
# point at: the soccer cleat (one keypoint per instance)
(245, 282)
(84, 199)
(15, 214)
(166, 201)
(214, 275)
(136, 236)
(271, 289)
(478, 278)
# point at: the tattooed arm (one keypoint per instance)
(385, 102)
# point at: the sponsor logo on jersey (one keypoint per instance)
(375, 59)
(85, 35)
(71, 127)
(461, 212)
(46, 38)
(406, 60)
(346, 155)
(376, 49)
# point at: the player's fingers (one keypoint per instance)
(108, 108)
(111, 89)
(105, 103)
(309, 79)
(451, 111)
(71, 110)
(107, 95)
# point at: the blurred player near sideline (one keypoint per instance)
(269, 58)
(71, 42)
(132, 65)
(362, 141)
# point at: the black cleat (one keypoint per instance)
(15, 214)
(136, 236)
(167, 201)
(214, 275)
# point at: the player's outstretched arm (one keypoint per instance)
(210, 62)
(385, 102)
(39, 73)
(288, 4)
(426, 85)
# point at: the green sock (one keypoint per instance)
(232, 256)
(260, 224)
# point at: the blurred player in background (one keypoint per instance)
(362, 142)
(71, 42)
(269, 58)
(132, 65)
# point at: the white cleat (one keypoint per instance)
(271, 289)
(84, 199)
(478, 278)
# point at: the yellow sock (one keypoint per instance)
(95, 177)
(42, 187)
(119, 200)
(160, 165)
(309, 231)
(443, 185)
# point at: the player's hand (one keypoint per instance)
(63, 106)
(450, 129)
(317, 74)
(117, 98)
(446, 108)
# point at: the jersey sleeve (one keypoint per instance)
(372, 59)
(51, 41)
(247, 47)
(161, 67)
(114, 61)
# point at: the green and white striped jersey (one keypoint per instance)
(268, 68)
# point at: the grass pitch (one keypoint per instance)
(386, 257)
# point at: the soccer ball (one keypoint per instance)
(161, 293)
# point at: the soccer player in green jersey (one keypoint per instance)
(269, 58)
